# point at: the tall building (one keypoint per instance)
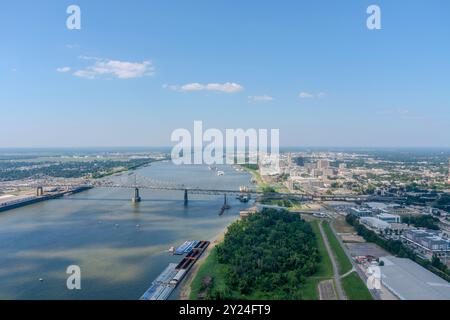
(323, 164)
(448, 175)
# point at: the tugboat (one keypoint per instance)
(243, 197)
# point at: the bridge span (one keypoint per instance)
(185, 191)
(136, 183)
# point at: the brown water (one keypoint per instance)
(120, 247)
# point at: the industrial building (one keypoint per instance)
(427, 243)
(374, 223)
(390, 218)
(360, 212)
(410, 281)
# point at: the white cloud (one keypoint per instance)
(115, 68)
(308, 95)
(399, 111)
(263, 98)
(170, 87)
(228, 87)
(63, 69)
(193, 87)
(305, 95)
(89, 58)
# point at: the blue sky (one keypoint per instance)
(137, 70)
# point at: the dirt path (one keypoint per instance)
(337, 278)
(347, 273)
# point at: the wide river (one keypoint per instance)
(120, 247)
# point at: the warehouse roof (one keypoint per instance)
(410, 281)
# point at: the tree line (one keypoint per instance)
(268, 255)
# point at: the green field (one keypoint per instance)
(325, 266)
(210, 267)
(344, 263)
(354, 287)
(325, 269)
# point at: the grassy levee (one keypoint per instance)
(343, 261)
(354, 287)
(325, 268)
(210, 267)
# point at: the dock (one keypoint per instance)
(163, 286)
(14, 204)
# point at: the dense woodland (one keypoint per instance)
(269, 254)
(423, 221)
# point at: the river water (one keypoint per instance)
(120, 247)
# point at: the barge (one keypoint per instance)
(163, 286)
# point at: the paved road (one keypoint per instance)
(337, 278)
(347, 273)
(375, 293)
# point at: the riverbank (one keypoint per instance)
(121, 247)
(124, 170)
(35, 199)
(185, 288)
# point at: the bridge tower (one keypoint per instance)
(186, 197)
(137, 197)
(39, 191)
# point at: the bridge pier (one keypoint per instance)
(186, 197)
(225, 202)
(39, 191)
(137, 197)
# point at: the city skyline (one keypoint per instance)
(134, 73)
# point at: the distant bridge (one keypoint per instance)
(144, 183)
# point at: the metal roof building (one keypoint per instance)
(409, 281)
(375, 223)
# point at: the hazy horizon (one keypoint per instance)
(168, 148)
